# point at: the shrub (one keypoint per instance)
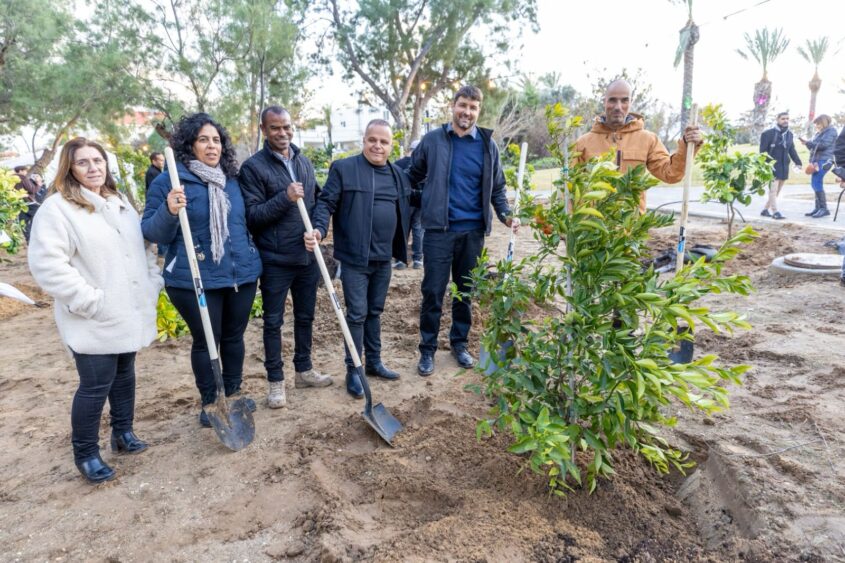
(169, 322)
(545, 163)
(12, 204)
(590, 327)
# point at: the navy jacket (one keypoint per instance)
(781, 147)
(821, 146)
(430, 165)
(240, 264)
(348, 198)
(272, 218)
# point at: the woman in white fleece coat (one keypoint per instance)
(87, 251)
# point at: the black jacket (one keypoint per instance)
(431, 163)
(781, 147)
(272, 218)
(152, 173)
(839, 149)
(348, 198)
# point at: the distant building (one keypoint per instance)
(348, 125)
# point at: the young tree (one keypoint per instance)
(689, 36)
(766, 46)
(814, 54)
(408, 51)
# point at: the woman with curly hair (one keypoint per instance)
(228, 261)
(87, 251)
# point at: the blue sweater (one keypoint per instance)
(466, 212)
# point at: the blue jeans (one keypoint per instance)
(445, 253)
(275, 282)
(417, 231)
(817, 178)
(365, 291)
(229, 313)
(101, 377)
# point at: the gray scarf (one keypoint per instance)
(218, 205)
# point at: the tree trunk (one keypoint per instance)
(257, 120)
(815, 86)
(762, 96)
(689, 60)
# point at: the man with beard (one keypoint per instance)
(271, 181)
(458, 167)
(779, 144)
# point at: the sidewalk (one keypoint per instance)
(793, 202)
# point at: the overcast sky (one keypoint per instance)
(589, 36)
(580, 39)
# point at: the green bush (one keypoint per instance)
(12, 204)
(169, 322)
(590, 327)
(545, 163)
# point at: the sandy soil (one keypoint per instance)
(318, 485)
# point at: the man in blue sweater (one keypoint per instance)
(458, 167)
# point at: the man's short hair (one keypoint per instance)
(782, 114)
(470, 92)
(154, 155)
(275, 110)
(21, 168)
(377, 123)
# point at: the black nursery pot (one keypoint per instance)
(683, 353)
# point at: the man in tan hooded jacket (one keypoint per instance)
(624, 132)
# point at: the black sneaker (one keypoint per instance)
(765, 213)
(399, 265)
(778, 215)
(823, 212)
(811, 213)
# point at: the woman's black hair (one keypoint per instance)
(186, 133)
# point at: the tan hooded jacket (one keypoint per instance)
(637, 146)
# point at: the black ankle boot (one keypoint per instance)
(95, 469)
(816, 208)
(127, 442)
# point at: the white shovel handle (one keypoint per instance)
(192, 259)
(327, 280)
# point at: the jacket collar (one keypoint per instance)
(294, 150)
(633, 122)
(99, 202)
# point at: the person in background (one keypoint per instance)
(779, 144)
(404, 163)
(271, 181)
(228, 262)
(156, 167)
(368, 199)
(821, 160)
(88, 253)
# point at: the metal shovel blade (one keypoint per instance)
(384, 423)
(232, 422)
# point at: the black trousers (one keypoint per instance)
(101, 377)
(447, 253)
(302, 282)
(229, 312)
(365, 291)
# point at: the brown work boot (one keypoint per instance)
(276, 396)
(311, 378)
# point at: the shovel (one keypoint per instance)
(682, 236)
(232, 421)
(385, 424)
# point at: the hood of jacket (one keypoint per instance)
(633, 122)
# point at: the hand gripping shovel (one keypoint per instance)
(232, 421)
(384, 423)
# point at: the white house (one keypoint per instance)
(348, 124)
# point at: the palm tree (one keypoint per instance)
(813, 54)
(689, 36)
(765, 47)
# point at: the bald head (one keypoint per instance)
(617, 103)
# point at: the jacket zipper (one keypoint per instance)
(448, 175)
